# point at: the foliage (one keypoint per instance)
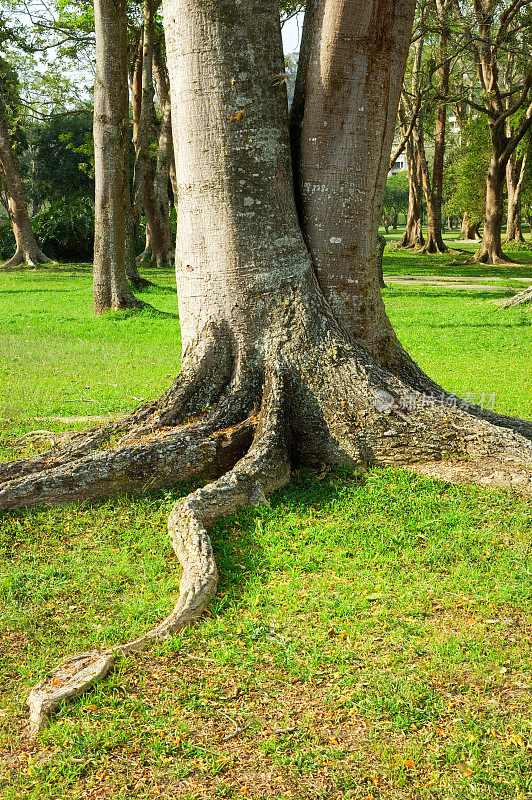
(60, 155)
(65, 230)
(396, 197)
(465, 188)
(7, 240)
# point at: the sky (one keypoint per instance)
(292, 33)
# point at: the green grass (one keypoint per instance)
(457, 262)
(57, 360)
(371, 635)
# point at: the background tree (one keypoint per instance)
(27, 250)
(516, 175)
(111, 142)
(495, 31)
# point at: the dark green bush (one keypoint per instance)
(65, 230)
(7, 240)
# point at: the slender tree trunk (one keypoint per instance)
(290, 379)
(158, 248)
(134, 277)
(412, 237)
(469, 229)
(111, 127)
(27, 250)
(515, 175)
(435, 243)
(165, 157)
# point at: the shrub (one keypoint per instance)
(65, 230)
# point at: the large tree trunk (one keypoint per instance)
(490, 250)
(412, 237)
(111, 126)
(27, 250)
(291, 378)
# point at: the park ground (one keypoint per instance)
(372, 633)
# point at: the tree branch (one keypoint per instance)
(514, 140)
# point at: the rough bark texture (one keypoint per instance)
(490, 250)
(27, 250)
(110, 287)
(343, 139)
(288, 379)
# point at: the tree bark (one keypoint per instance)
(469, 229)
(111, 125)
(515, 175)
(27, 250)
(490, 250)
(412, 237)
(289, 378)
(351, 80)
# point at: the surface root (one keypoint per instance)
(264, 468)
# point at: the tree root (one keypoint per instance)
(20, 257)
(263, 469)
(205, 372)
(162, 459)
(520, 299)
(326, 401)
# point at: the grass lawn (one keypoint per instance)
(372, 634)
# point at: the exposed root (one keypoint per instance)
(432, 246)
(358, 413)
(488, 473)
(266, 467)
(520, 299)
(178, 454)
(406, 369)
(205, 372)
(31, 260)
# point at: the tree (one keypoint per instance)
(516, 170)
(289, 357)
(435, 243)
(493, 29)
(27, 250)
(111, 141)
(409, 109)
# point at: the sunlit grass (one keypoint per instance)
(371, 635)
